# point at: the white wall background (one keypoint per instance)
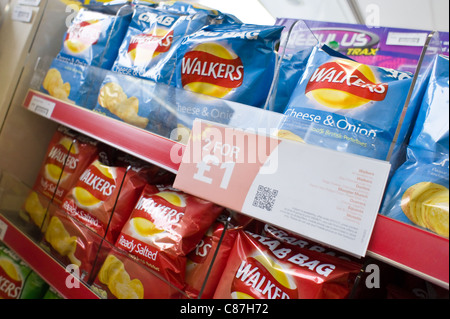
(413, 14)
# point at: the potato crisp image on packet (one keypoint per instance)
(418, 193)
(260, 267)
(348, 106)
(165, 226)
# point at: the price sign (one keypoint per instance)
(41, 106)
(22, 13)
(220, 163)
(328, 196)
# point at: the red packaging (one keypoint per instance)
(104, 197)
(165, 225)
(199, 261)
(260, 267)
(121, 277)
(68, 154)
(295, 240)
(71, 242)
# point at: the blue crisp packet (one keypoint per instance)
(347, 106)
(291, 70)
(129, 99)
(65, 81)
(151, 36)
(93, 38)
(235, 62)
(418, 193)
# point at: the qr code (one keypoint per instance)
(265, 198)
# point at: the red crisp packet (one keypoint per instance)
(71, 242)
(104, 197)
(295, 240)
(68, 154)
(165, 225)
(260, 267)
(201, 258)
(121, 277)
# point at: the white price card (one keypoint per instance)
(407, 38)
(34, 3)
(41, 106)
(330, 197)
(3, 228)
(22, 13)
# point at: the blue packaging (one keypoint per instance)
(235, 62)
(65, 81)
(151, 37)
(93, 38)
(351, 107)
(126, 99)
(418, 193)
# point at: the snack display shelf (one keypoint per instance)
(41, 262)
(133, 140)
(414, 250)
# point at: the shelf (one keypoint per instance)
(133, 140)
(53, 272)
(414, 250)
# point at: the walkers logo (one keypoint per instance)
(211, 69)
(83, 35)
(344, 84)
(262, 277)
(160, 211)
(96, 184)
(10, 280)
(144, 47)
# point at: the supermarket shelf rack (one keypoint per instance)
(40, 261)
(416, 251)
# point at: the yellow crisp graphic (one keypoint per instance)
(61, 240)
(277, 271)
(55, 85)
(114, 275)
(35, 209)
(10, 269)
(144, 227)
(53, 173)
(289, 136)
(113, 98)
(173, 198)
(69, 145)
(85, 198)
(427, 204)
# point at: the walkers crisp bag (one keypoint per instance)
(122, 277)
(150, 37)
(68, 154)
(104, 197)
(347, 106)
(418, 193)
(17, 279)
(64, 81)
(260, 267)
(165, 225)
(203, 272)
(93, 38)
(235, 62)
